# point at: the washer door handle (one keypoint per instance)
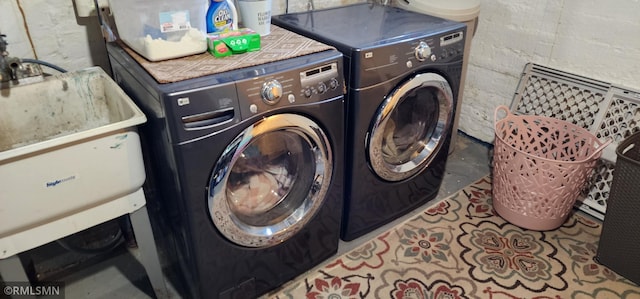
(208, 119)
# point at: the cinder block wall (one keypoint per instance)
(49, 30)
(597, 39)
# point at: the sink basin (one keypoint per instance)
(64, 108)
(67, 144)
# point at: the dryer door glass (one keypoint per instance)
(410, 126)
(270, 180)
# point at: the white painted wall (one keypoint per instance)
(49, 30)
(597, 39)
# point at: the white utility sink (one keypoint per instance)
(70, 157)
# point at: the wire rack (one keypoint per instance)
(606, 110)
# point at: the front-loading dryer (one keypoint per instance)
(247, 167)
(403, 71)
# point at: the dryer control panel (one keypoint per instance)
(296, 87)
(390, 61)
(441, 48)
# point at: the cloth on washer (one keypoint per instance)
(280, 44)
(254, 196)
(403, 139)
(264, 173)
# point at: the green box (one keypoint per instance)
(233, 42)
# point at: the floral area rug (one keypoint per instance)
(459, 248)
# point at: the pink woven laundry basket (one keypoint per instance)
(540, 166)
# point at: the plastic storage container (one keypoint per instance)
(160, 30)
(620, 237)
(540, 166)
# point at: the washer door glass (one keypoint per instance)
(410, 127)
(270, 181)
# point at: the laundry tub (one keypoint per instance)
(70, 158)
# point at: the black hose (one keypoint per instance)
(40, 62)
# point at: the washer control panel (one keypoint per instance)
(313, 84)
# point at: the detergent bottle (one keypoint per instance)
(221, 16)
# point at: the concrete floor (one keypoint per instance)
(122, 276)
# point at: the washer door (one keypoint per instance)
(410, 127)
(270, 181)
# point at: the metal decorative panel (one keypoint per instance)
(622, 117)
(547, 92)
(605, 110)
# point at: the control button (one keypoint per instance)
(183, 101)
(333, 83)
(271, 92)
(422, 51)
(409, 64)
(433, 57)
(291, 98)
(253, 108)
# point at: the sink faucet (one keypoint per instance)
(12, 69)
(4, 67)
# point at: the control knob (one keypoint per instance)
(307, 92)
(333, 83)
(322, 87)
(271, 92)
(422, 51)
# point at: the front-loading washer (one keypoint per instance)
(247, 168)
(403, 72)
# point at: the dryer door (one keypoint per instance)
(410, 127)
(271, 180)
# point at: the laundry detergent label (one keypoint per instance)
(172, 21)
(220, 16)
